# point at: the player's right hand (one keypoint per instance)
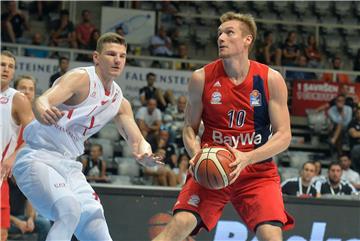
(51, 116)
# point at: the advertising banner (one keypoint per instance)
(131, 80)
(140, 213)
(312, 94)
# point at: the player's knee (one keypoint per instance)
(185, 220)
(4, 234)
(268, 232)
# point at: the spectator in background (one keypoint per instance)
(13, 24)
(84, 30)
(183, 54)
(37, 40)
(151, 92)
(290, 50)
(63, 66)
(23, 217)
(163, 143)
(312, 53)
(94, 167)
(160, 44)
(357, 65)
(354, 136)
(149, 121)
(62, 32)
(340, 116)
(343, 90)
(94, 36)
(339, 78)
(301, 75)
(333, 184)
(318, 175)
(174, 119)
(301, 186)
(347, 173)
(181, 168)
(267, 52)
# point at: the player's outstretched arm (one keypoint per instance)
(193, 112)
(73, 86)
(127, 127)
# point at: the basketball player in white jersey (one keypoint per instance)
(77, 106)
(15, 111)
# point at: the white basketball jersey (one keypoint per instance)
(8, 128)
(80, 122)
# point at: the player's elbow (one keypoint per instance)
(286, 139)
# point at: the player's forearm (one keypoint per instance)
(192, 146)
(279, 142)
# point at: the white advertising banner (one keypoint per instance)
(131, 80)
(137, 25)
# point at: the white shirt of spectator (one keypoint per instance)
(149, 119)
(8, 128)
(80, 122)
(351, 176)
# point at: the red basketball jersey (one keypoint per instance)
(236, 114)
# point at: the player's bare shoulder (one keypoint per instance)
(197, 81)
(76, 77)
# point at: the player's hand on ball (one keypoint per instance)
(191, 161)
(242, 160)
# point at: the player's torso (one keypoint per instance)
(236, 114)
(8, 128)
(80, 121)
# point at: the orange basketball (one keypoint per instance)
(211, 167)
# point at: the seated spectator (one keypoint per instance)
(151, 92)
(84, 29)
(94, 36)
(181, 169)
(333, 185)
(174, 119)
(13, 24)
(63, 66)
(318, 175)
(23, 217)
(290, 50)
(357, 65)
(163, 143)
(38, 53)
(162, 174)
(340, 116)
(312, 53)
(160, 44)
(339, 78)
(62, 32)
(343, 90)
(149, 121)
(267, 52)
(301, 186)
(347, 173)
(183, 54)
(94, 167)
(354, 136)
(301, 75)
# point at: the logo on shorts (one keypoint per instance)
(194, 200)
(255, 98)
(216, 98)
(59, 185)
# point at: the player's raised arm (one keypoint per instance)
(73, 86)
(129, 130)
(193, 112)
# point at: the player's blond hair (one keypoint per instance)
(109, 38)
(247, 19)
(7, 53)
(25, 76)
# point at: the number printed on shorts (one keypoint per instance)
(236, 116)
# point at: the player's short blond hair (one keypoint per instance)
(7, 53)
(109, 38)
(247, 19)
(25, 76)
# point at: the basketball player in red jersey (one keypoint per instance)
(15, 112)
(242, 103)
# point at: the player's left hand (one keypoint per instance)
(242, 160)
